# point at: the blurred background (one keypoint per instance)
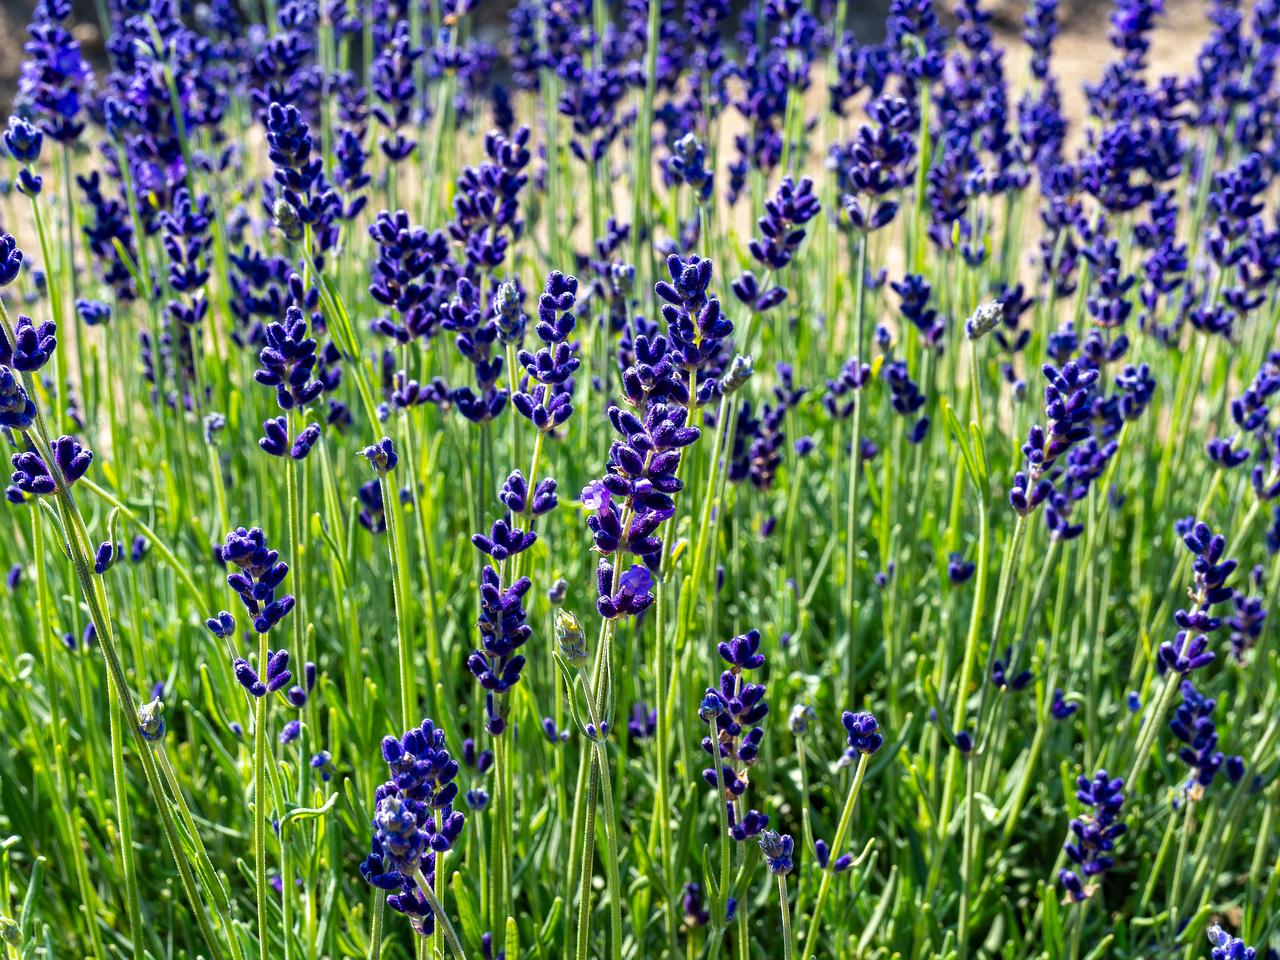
(1079, 53)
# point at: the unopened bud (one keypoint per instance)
(740, 371)
(570, 639)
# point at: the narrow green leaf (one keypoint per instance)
(468, 916)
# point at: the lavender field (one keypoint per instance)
(679, 483)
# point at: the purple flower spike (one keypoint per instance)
(1091, 841)
(248, 678)
(863, 732)
(72, 458)
(33, 345)
(740, 652)
(30, 475)
(382, 456)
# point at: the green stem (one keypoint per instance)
(611, 854)
(786, 916)
(836, 846)
(260, 749)
(375, 927)
(1188, 805)
(399, 593)
(450, 935)
(1150, 730)
(851, 545)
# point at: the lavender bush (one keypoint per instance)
(680, 484)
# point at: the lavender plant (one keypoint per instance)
(539, 326)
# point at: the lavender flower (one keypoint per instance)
(1227, 947)
(643, 723)
(391, 77)
(549, 403)
(288, 361)
(777, 852)
(731, 708)
(1193, 725)
(1246, 623)
(1187, 651)
(864, 736)
(33, 346)
(381, 456)
(502, 628)
(260, 682)
(414, 822)
(1093, 837)
(1059, 709)
(998, 673)
(260, 571)
(696, 324)
(56, 77)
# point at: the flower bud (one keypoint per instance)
(151, 720)
(802, 715)
(740, 371)
(570, 639)
(984, 319)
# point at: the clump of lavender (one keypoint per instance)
(873, 165)
(391, 77)
(696, 324)
(476, 332)
(915, 292)
(1068, 411)
(56, 78)
(1093, 836)
(487, 206)
(411, 273)
(905, 397)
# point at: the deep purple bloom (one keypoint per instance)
(863, 730)
(740, 652)
(259, 572)
(1059, 709)
(958, 571)
(1093, 840)
(382, 456)
(777, 852)
(1193, 725)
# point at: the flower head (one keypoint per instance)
(1093, 838)
(382, 456)
(259, 572)
(863, 732)
(151, 720)
(777, 851)
(1227, 947)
